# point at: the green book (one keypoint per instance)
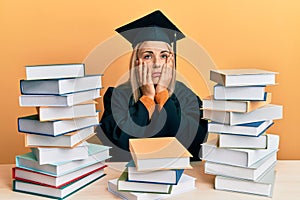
(56, 193)
(130, 186)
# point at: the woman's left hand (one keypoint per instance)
(166, 74)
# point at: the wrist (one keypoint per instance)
(159, 89)
(149, 96)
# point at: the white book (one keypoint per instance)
(68, 140)
(237, 157)
(243, 77)
(263, 187)
(53, 181)
(54, 71)
(253, 172)
(171, 176)
(243, 142)
(46, 155)
(250, 93)
(68, 112)
(58, 193)
(31, 124)
(131, 186)
(97, 153)
(249, 129)
(185, 184)
(243, 106)
(60, 86)
(58, 100)
(267, 112)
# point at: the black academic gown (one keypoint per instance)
(180, 117)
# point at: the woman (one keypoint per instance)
(152, 103)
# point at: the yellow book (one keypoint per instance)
(159, 154)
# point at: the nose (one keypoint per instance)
(157, 61)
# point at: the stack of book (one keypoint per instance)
(243, 156)
(156, 171)
(61, 161)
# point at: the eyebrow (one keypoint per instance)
(164, 51)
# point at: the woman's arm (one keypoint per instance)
(120, 120)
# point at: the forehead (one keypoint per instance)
(154, 46)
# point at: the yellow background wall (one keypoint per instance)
(236, 34)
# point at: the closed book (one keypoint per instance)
(58, 193)
(46, 155)
(243, 142)
(61, 86)
(250, 129)
(31, 124)
(71, 139)
(58, 100)
(53, 181)
(159, 153)
(68, 112)
(185, 184)
(97, 153)
(248, 93)
(253, 172)
(243, 77)
(130, 186)
(243, 106)
(267, 112)
(263, 187)
(237, 157)
(158, 176)
(35, 72)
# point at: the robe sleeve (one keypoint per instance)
(120, 119)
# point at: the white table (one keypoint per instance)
(287, 184)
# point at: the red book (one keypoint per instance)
(53, 181)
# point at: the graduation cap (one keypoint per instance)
(152, 27)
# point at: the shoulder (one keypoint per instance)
(184, 94)
(123, 88)
(120, 94)
(181, 88)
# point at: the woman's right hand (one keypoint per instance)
(144, 74)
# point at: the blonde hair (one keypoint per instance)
(133, 79)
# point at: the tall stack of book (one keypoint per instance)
(156, 171)
(243, 156)
(61, 161)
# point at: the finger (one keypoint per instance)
(145, 70)
(149, 74)
(170, 60)
(136, 64)
(164, 69)
(140, 71)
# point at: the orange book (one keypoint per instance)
(159, 153)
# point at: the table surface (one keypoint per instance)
(287, 184)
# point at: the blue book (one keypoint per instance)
(170, 177)
(97, 153)
(60, 86)
(31, 124)
(250, 129)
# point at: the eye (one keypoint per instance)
(146, 57)
(164, 56)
